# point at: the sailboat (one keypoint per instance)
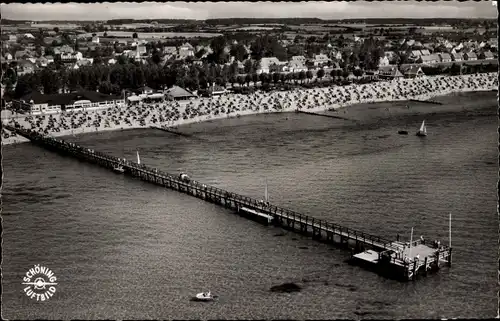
(422, 131)
(138, 159)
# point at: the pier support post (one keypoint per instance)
(449, 257)
(425, 266)
(414, 269)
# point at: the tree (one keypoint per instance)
(200, 53)
(248, 66)
(302, 76)
(248, 79)
(263, 78)
(241, 80)
(122, 59)
(255, 78)
(276, 77)
(218, 45)
(320, 74)
(134, 35)
(49, 51)
(309, 74)
(156, 58)
(239, 52)
(358, 73)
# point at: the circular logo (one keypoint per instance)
(40, 282)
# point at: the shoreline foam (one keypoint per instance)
(235, 105)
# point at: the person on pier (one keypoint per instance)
(422, 240)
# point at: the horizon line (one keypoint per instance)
(257, 18)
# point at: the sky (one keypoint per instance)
(208, 10)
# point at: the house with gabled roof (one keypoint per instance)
(186, 50)
(178, 93)
(383, 61)
(486, 55)
(25, 67)
(412, 71)
(425, 52)
(471, 56)
(389, 72)
(429, 59)
(321, 60)
(266, 62)
(457, 56)
(445, 57)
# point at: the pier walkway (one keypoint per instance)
(320, 229)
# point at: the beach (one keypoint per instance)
(173, 113)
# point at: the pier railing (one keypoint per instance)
(201, 190)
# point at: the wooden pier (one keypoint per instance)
(169, 130)
(427, 101)
(323, 115)
(386, 256)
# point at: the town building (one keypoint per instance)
(412, 71)
(471, 56)
(383, 61)
(266, 63)
(178, 93)
(429, 59)
(389, 72)
(445, 57)
(457, 56)
(76, 101)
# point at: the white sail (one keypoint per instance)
(138, 159)
(422, 127)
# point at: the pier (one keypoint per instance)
(169, 130)
(433, 102)
(387, 257)
(323, 115)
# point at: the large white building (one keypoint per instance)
(76, 101)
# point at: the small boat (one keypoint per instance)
(403, 132)
(422, 132)
(204, 296)
(138, 159)
(119, 169)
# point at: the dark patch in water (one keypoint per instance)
(286, 288)
(303, 247)
(351, 287)
(294, 239)
(361, 313)
(280, 234)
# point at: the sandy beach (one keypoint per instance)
(174, 114)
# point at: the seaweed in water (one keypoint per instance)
(286, 287)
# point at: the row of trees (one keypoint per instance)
(112, 79)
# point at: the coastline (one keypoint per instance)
(173, 114)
